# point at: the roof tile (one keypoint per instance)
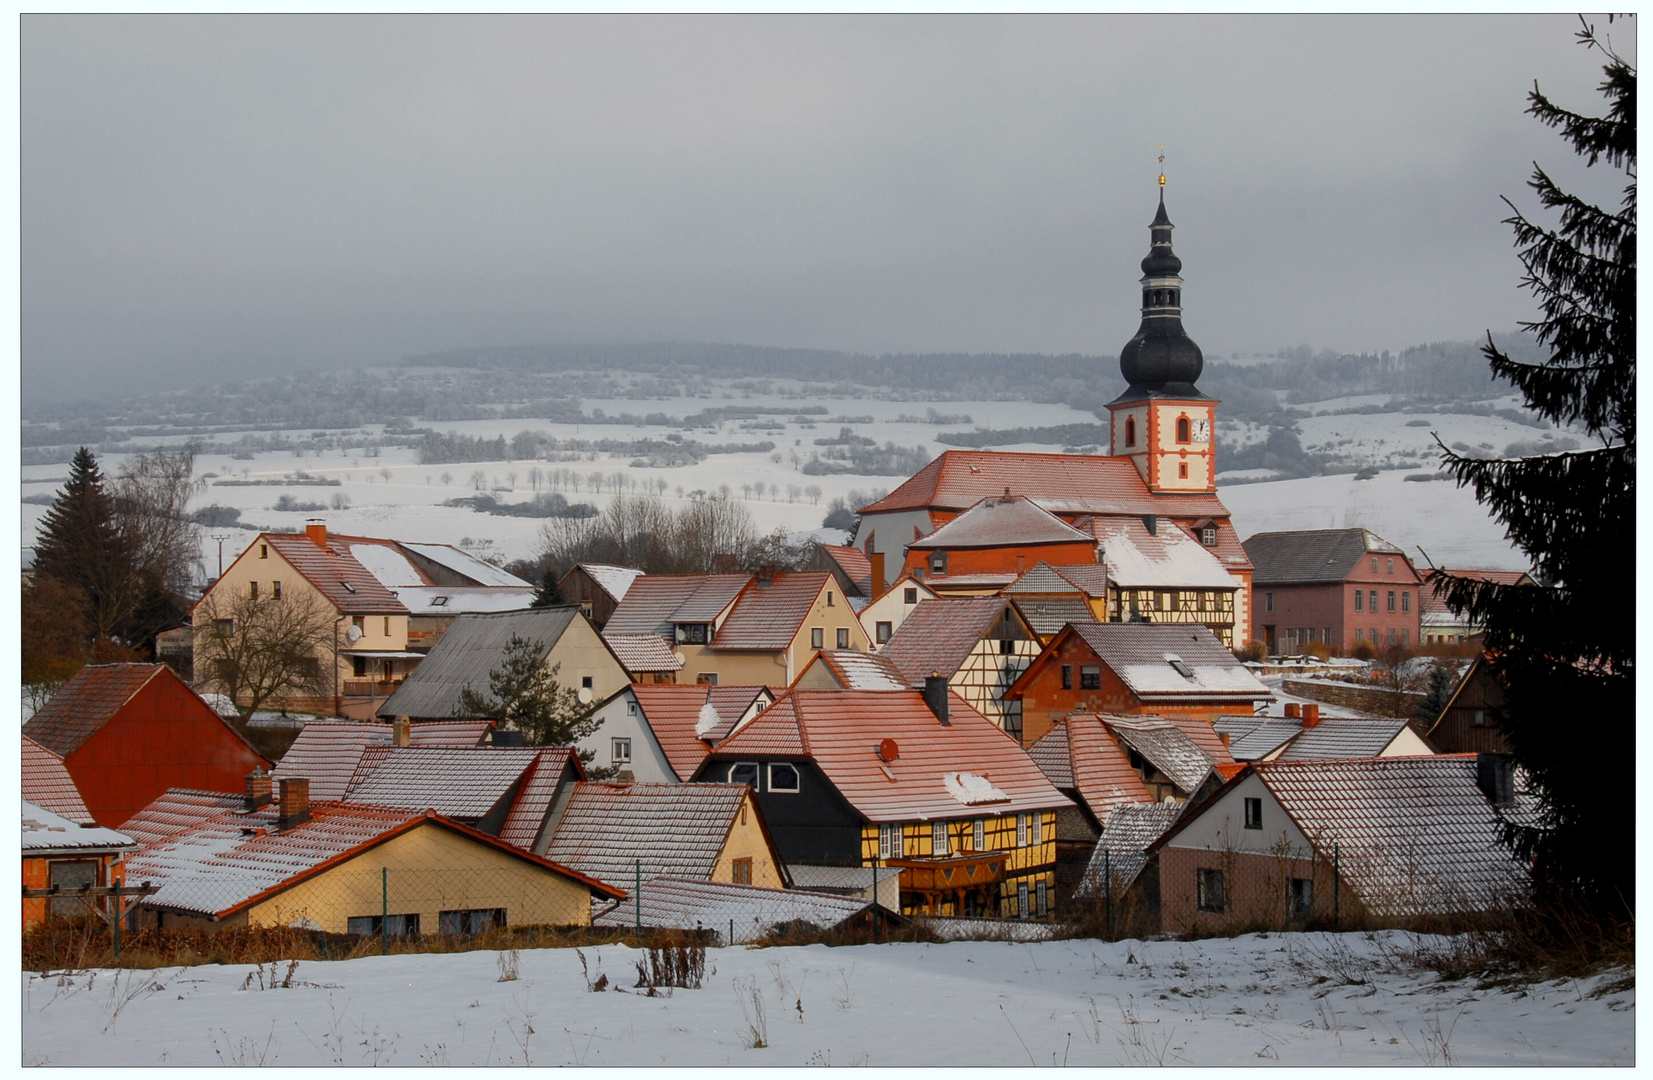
(614, 831)
(48, 785)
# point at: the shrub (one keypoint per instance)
(1363, 650)
(1253, 651)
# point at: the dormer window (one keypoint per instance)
(691, 633)
(1208, 536)
(938, 564)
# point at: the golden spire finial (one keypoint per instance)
(1162, 164)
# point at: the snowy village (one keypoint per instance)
(1032, 735)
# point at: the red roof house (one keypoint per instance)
(127, 732)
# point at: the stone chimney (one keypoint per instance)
(401, 732)
(316, 530)
(258, 789)
(1311, 716)
(295, 802)
(1495, 776)
(935, 696)
(1294, 711)
(878, 586)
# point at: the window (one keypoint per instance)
(938, 839)
(1391, 566)
(1374, 565)
(938, 564)
(1044, 906)
(1301, 894)
(1130, 431)
(225, 627)
(740, 871)
(1067, 676)
(1268, 601)
(1406, 600)
(1208, 536)
(357, 621)
(1182, 429)
(1021, 830)
(275, 589)
(358, 666)
(882, 631)
(587, 608)
(1391, 635)
(264, 551)
(691, 633)
(817, 637)
(585, 682)
(1179, 665)
(387, 626)
(1090, 677)
(71, 876)
(829, 598)
(889, 842)
(1326, 634)
(1391, 600)
(909, 596)
(1254, 813)
(706, 678)
(1360, 600)
(843, 637)
(439, 601)
(1372, 633)
(744, 772)
(1478, 718)
(1406, 637)
(1357, 632)
(1182, 474)
(1212, 897)
(349, 588)
(978, 835)
(631, 708)
(1007, 647)
(1021, 900)
(783, 777)
(473, 921)
(1035, 829)
(374, 925)
(254, 588)
(621, 751)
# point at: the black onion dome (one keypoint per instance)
(1162, 358)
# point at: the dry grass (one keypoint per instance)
(1558, 941)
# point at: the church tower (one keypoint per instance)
(1162, 422)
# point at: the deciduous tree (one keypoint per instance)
(262, 649)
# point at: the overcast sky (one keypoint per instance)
(205, 197)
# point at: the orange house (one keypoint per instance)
(1002, 536)
(1131, 669)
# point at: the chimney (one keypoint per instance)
(765, 575)
(1311, 716)
(1495, 776)
(258, 790)
(1151, 523)
(935, 696)
(316, 530)
(295, 802)
(878, 586)
(1294, 711)
(401, 732)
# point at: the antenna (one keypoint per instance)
(1161, 164)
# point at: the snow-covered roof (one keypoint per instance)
(467, 600)
(753, 911)
(639, 653)
(1165, 558)
(1122, 850)
(461, 562)
(856, 670)
(615, 580)
(44, 831)
(1166, 662)
(387, 564)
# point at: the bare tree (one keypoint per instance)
(265, 648)
(814, 493)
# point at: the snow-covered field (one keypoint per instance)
(389, 493)
(1288, 999)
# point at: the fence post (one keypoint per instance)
(1337, 886)
(384, 911)
(1107, 889)
(875, 912)
(731, 932)
(117, 922)
(637, 898)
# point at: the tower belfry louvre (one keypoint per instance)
(1162, 421)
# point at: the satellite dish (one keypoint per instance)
(585, 695)
(679, 657)
(353, 635)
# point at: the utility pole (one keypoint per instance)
(220, 537)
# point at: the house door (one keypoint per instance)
(1271, 641)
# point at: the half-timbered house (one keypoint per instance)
(980, 645)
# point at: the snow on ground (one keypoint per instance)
(1288, 999)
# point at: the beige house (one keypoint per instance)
(477, 644)
(739, 628)
(882, 617)
(337, 866)
(368, 655)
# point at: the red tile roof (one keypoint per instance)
(1000, 522)
(1430, 604)
(858, 670)
(675, 829)
(768, 616)
(1145, 656)
(1080, 755)
(656, 601)
(85, 703)
(48, 785)
(338, 575)
(939, 634)
(1063, 483)
(854, 563)
(673, 713)
(222, 862)
(639, 653)
(840, 730)
(177, 811)
(450, 734)
(533, 803)
(328, 752)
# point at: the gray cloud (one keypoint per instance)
(216, 195)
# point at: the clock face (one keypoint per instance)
(1202, 431)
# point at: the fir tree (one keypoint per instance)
(525, 695)
(80, 545)
(549, 593)
(1565, 651)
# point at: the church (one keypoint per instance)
(1160, 475)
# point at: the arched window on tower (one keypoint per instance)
(1182, 429)
(1130, 431)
